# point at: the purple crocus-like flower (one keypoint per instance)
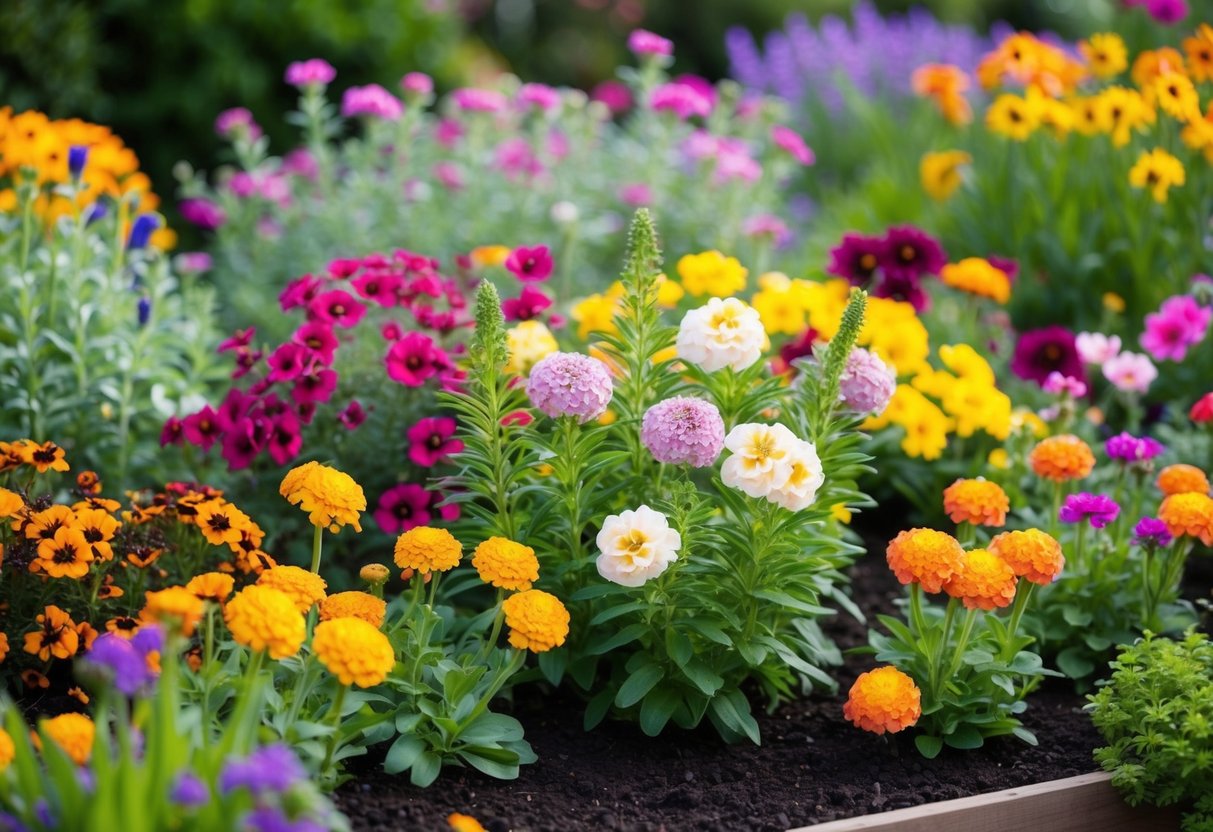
(11, 823)
(1098, 509)
(683, 431)
(141, 231)
(1151, 532)
(372, 101)
(314, 72)
(1126, 448)
(911, 252)
(273, 768)
(189, 790)
(1039, 352)
(570, 384)
(77, 158)
(866, 383)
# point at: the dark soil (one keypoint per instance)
(811, 767)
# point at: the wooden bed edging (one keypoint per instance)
(1086, 803)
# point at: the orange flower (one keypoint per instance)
(56, 637)
(304, 588)
(73, 733)
(884, 699)
(211, 586)
(66, 555)
(985, 581)
(3, 647)
(98, 528)
(45, 457)
(924, 556)
(123, 626)
(1061, 458)
(979, 501)
(221, 522)
(43, 524)
(1182, 479)
(1032, 554)
(175, 607)
(537, 620)
(463, 823)
(10, 502)
(354, 604)
(88, 634)
(1188, 514)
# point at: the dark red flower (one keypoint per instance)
(352, 416)
(172, 433)
(904, 288)
(1201, 412)
(1039, 352)
(856, 259)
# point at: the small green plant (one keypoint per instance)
(1156, 716)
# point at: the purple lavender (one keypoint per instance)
(1098, 509)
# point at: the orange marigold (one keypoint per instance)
(175, 607)
(979, 501)
(1182, 479)
(1033, 555)
(375, 574)
(537, 620)
(354, 604)
(73, 733)
(212, 586)
(356, 652)
(330, 497)
(1061, 458)
(3, 647)
(506, 564)
(985, 581)
(427, 549)
(303, 587)
(884, 699)
(924, 556)
(264, 618)
(1189, 514)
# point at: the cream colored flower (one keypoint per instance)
(636, 546)
(762, 458)
(528, 342)
(805, 476)
(722, 333)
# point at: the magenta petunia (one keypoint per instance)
(413, 359)
(315, 386)
(403, 507)
(241, 338)
(431, 441)
(299, 292)
(243, 441)
(529, 263)
(1039, 352)
(173, 432)
(378, 286)
(202, 213)
(320, 340)
(526, 306)
(288, 362)
(1124, 447)
(352, 415)
(1179, 324)
(202, 428)
(285, 441)
(1098, 509)
(337, 307)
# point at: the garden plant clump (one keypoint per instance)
(647, 456)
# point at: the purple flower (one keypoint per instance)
(905, 288)
(866, 383)
(269, 819)
(77, 158)
(315, 72)
(1039, 352)
(189, 790)
(570, 384)
(141, 231)
(273, 768)
(193, 262)
(1125, 447)
(203, 213)
(1167, 11)
(1099, 509)
(236, 123)
(644, 43)
(120, 661)
(683, 430)
(1151, 532)
(372, 101)
(911, 252)
(856, 259)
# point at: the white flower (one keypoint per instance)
(761, 460)
(723, 333)
(1096, 348)
(1130, 372)
(805, 476)
(636, 546)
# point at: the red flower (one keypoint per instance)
(1202, 412)
(402, 508)
(530, 263)
(519, 418)
(414, 359)
(431, 442)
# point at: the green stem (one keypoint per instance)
(317, 542)
(334, 720)
(1023, 593)
(938, 650)
(916, 617)
(966, 631)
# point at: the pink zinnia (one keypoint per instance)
(1130, 372)
(570, 384)
(372, 101)
(310, 73)
(683, 431)
(644, 43)
(1098, 509)
(413, 359)
(790, 140)
(1095, 347)
(539, 96)
(403, 507)
(236, 122)
(431, 441)
(449, 175)
(530, 263)
(1179, 323)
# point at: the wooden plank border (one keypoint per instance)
(1086, 803)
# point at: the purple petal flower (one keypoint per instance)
(570, 384)
(1098, 509)
(1126, 448)
(1151, 531)
(683, 430)
(118, 660)
(273, 768)
(189, 790)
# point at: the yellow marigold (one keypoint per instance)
(1061, 458)
(354, 604)
(330, 497)
(463, 823)
(979, 501)
(212, 586)
(940, 172)
(537, 620)
(1033, 555)
(1181, 479)
(978, 276)
(985, 581)
(489, 255)
(884, 699)
(506, 564)
(8, 751)
(711, 273)
(264, 618)
(303, 587)
(10, 503)
(1188, 514)
(176, 606)
(528, 342)
(924, 556)
(356, 652)
(427, 549)
(73, 733)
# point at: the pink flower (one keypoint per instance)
(1095, 347)
(315, 72)
(1130, 372)
(767, 225)
(246, 359)
(470, 99)
(1097, 509)
(448, 132)
(540, 96)
(518, 418)
(201, 428)
(320, 340)
(337, 307)
(530, 263)
(570, 384)
(790, 140)
(315, 386)
(414, 359)
(300, 162)
(449, 175)
(352, 416)
(417, 85)
(516, 160)
(431, 441)
(285, 441)
(193, 262)
(403, 507)
(243, 442)
(288, 361)
(1178, 324)
(343, 267)
(380, 287)
(867, 383)
(644, 43)
(1167, 11)
(1058, 384)
(203, 213)
(234, 407)
(172, 432)
(683, 100)
(615, 95)
(683, 430)
(391, 331)
(736, 166)
(242, 338)
(237, 122)
(636, 194)
(372, 101)
(299, 292)
(526, 306)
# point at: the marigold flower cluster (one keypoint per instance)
(883, 700)
(1033, 554)
(1189, 514)
(304, 588)
(72, 732)
(977, 501)
(353, 604)
(1062, 458)
(353, 650)
(427, 549)
(331, 498)
(505, 564)
(925, 557)
(263, 618)
(537, 620)
(1182, 478)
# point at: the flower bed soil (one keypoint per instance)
(811, 767)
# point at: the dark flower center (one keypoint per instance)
(64, 554)
(219, 523)
(908, 253)
(435, 441)
(867, 262)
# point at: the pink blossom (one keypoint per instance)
(315, 72)
(237, 122)
(1095, 347)
(285, 440)
(767, 225)
(287, 362)
(431, 441)
(299, 292)
(193, 262)
(417, 85)
(336, 307)
(539, 96)
(615, 95)
(449, 175)
(372, 101)
(644, 43)
(381, 287)
(320, 340)
(300, 162)
(516, 160)
(1179, 323)
(201, 428)
(315, 386)
(414, 359)
(243, 442)
(241, 338)
(526, 306)
(789, 140)
(1058, 384)
(352, 416)
(636, 194)
(683, 100)
(1130, 372)
(471, 99)
(202, 213)
(736, 166)
(448, 132)
(529, 263)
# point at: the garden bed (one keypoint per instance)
(812, 767)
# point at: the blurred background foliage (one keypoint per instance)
(159, 72)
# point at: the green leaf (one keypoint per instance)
(656, 710)
(965, 737)
(627, 634)
(403, 754)
(426, 766)
(928, 747)
(638, 684)
(495, 762)
(597, 709)
(1074, 663)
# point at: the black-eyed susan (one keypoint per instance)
(1176, 96)
(98, 528)
(1013, 116)
(1120, 111)
(1158, 171)
(1105, 54)
(221, 522)
(1199, 49)
(45, 457)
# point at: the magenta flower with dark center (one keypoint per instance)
(319, 339)
(910, 252)
(1006, 265)
(234, 407)
(202, 213)
(1179, 324)
(288, 361)
(1151, 532)
(173, 432)
(242, 338)
(299, 292)
(526, 306)
(529, 263)
(243, 441)
(902, 287)
(856, 259)
(431, 441)
(285, 440)
(413, 359)
(1039, 352)
(337, 307)
(1098, 509)
(379, 287)
(403, 507)
(202, 428)
(316, 385)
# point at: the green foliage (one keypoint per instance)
(1154, 714)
